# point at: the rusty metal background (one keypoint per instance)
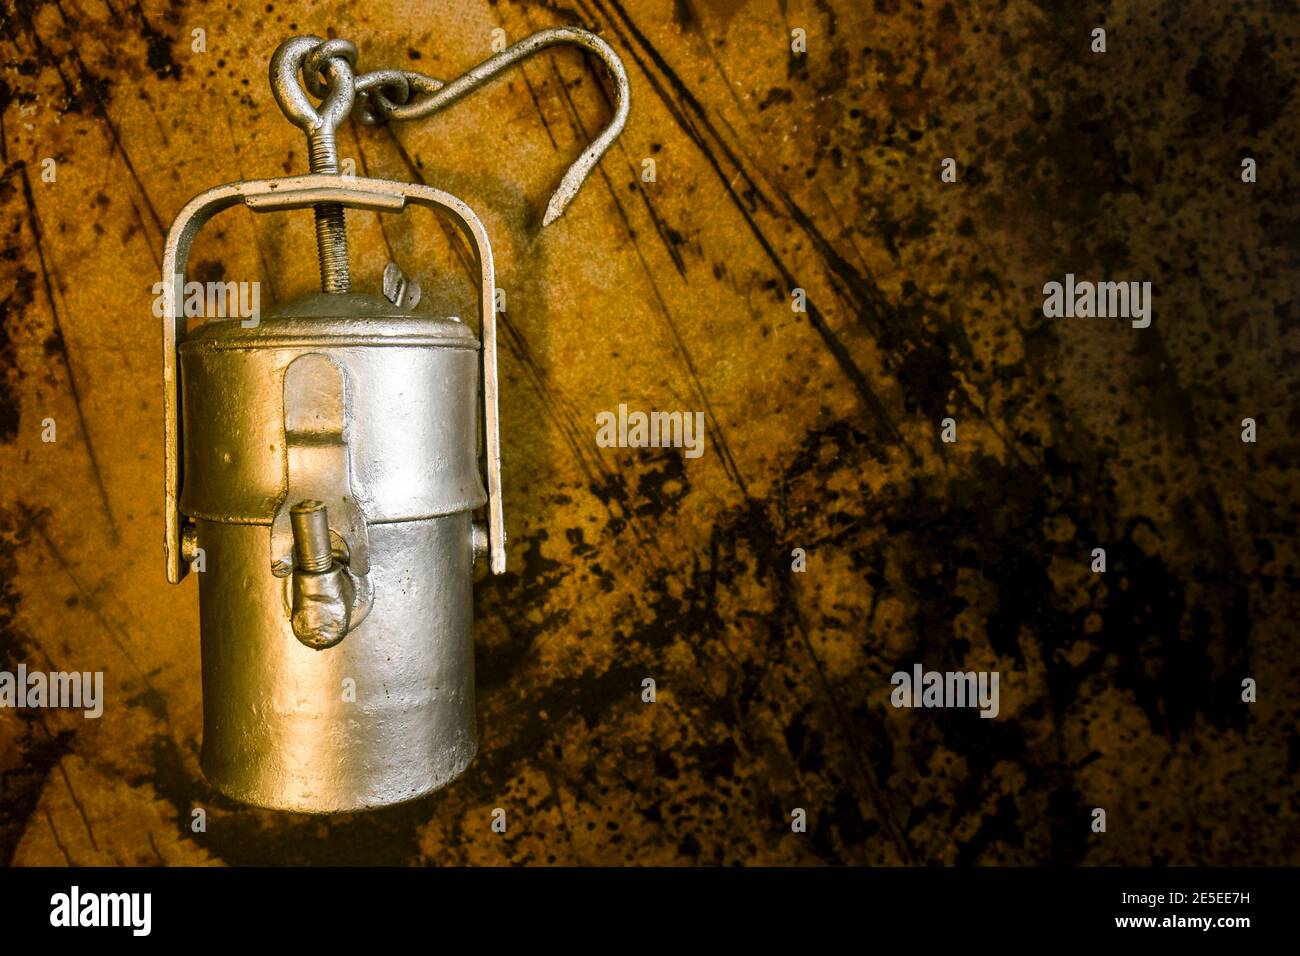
(774, 171)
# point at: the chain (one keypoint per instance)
(328, 72)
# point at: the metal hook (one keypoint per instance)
(440, 95)
(406, 95)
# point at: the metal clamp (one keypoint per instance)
(298, 192)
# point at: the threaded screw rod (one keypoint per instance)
(311, 536)
(331, 232)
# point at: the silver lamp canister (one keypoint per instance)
(323, 471)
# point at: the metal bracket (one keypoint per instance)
(298, 192)
(317, 462)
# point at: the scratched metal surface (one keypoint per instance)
(773, 171)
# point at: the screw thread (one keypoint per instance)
(311, 536)
(331, 232)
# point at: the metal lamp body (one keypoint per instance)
(387, 713)
(322, 470)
